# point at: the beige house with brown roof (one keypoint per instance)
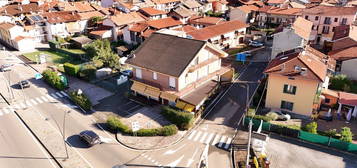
(273, 16)
(14, 36)
(295, 81)
(177, 71)
(62, 24)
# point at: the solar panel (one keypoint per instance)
(39, 17)
(34, 18)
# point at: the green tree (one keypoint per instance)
(346, 134)
(311, 127)
(93, 21)
(101, 50)
(340, 82)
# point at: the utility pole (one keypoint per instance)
(63, 132)
(249, 139)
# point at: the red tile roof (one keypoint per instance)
(330, 10)
(6, 26)
(81, 6)
(248, 8)
(138, 27)
(21, 9)
(127, 18)
(303, 27)
(164, 1)
(207, 20)
(345, 54)
(347, 98)
(152, 11)
(217, 30)
(164, 23)
(88, 15)
(342, 44)
(186, 28)
(276, 1)
(285, 11)
(60, 17)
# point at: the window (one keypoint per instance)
(287, 105)
(138, 73)
(154, 75)
(327, 100)
(325, 29)
(344, 21)
(333, 29)
(316, 18)
(313, 27)
(289, 89)
(327, 20)
(172, 82)
(336, 19)
(307, 17)
(317, 27)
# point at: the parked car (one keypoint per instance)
(5, 67)
(127, 73)
(255, 43)
(283, 116)
(247, 53)
(24, 84)
(90, 137)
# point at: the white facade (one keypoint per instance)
(25, 45)
(237, 14)
(349, 68)
(231, 39)
(285, 40)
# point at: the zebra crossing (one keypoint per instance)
(32, 102)
(214, 139)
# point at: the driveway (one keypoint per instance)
(291, 153)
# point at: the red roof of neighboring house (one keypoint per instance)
(217, 30)
(61, 17)
(152, 11)
(164, 23)
(347, 98)
(164, 1)
(138, 27)
(21, 9)
(284, 11)
(342, 44)
(276, 1)
(207, 20)
(345, 54)
(6, 26)
(81, 6)
(330, 10)
(248, 8)
(251, 2)
(186, 28)
(127, 18)
(88, 15)
(148, 32)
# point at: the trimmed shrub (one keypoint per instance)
(71, 69)
(98, 63)
(264, 118)
(81, 100)
(115, 124)
(53, 79)
(346, 134)
(183, 120)
(272, 115)
(311, 127)
(88, 72)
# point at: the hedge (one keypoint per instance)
(183, 120)
(81, 100)
(88, 72)
(115, 124)
(53, 79)
(71, 69)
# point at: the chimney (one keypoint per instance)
(72, 13)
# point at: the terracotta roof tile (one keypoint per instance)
(138, 27)
(151, 11)
(284, 11)
(345, 54)
(60, 17)
(164, 23)
(164, 1)
(6, 26)
(127, 18)
(303, 27)
(347, 98)
(184, 12)
(21, 9)
(148, 33)
(207, 20)
(248, 8)
(343, 43)
(330, 10)
(186, 28)
(191, 4)
(81, 6)
(88, 15)
(216, 30)
(19, 38)
(276, 1)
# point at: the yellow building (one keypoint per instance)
(295, 81)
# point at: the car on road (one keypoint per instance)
(24, 84)
(255, 44)
(90, 137)
(127, 73)
(246, 53)
(283, 116)
(5, 67)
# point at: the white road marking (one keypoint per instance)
(191, 160)
(44, 99)
(215, 140)
(145, 156)
(221, 141)
(156, 163)
(33, 101)
(39, 100)
(176, 162)
(6, 111)
(197, 136)
(192, 134)
(209, 138)
(59, 94)
(64, 93)
(16, 106)
(203, 137)
(28, 103)
(54, 95)
(1, 113)
(229, 140)
(11, 109)
(171, 151)
(50, 98)
(22, 105)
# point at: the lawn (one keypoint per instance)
(55, 57)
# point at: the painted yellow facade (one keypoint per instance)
(303, 99)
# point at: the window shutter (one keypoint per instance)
(294, 89)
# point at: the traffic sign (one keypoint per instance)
(135, 126)
(38, 76)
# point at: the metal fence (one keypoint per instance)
(303, 135)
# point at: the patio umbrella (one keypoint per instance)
(354, 114)
(329, 113)
(349, 114)
(260, 126)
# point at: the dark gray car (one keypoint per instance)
(24, 84)
(90, 137)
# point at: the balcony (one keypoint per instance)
(154, 84)
(202, 64)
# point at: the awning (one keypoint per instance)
(138, 87)
(152, 92)
(180, 105)
(189, 107)
(168, 96)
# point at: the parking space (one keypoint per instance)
(128, 108)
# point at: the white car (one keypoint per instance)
(255, 44)
(283, 116)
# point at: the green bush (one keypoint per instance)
(98, 63)
(81, 100)
(264, 118)
(115, 124)
(272, 115)
(71, 69)
(53, 79)
(183, 120)
(88, 72)
(346, 134)
(311, 127)
(251, 112)
(340, 82)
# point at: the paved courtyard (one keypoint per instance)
(291, 153)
